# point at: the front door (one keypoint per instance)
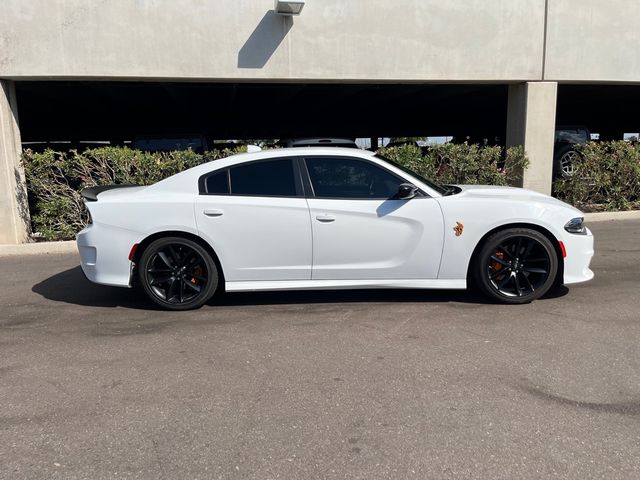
(360, 232)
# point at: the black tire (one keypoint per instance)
(177, 273)
(516, 265)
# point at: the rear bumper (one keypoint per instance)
(104, 254)
(579, 254)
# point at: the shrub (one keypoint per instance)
(462, 164)
(607, 177)
(55, 179)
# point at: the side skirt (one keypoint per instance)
(343, 284)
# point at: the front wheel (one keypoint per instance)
(516, 266)
(177, 273)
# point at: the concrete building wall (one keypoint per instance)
(423, 40)
(14, 207)
(593, 41)
(479, 40)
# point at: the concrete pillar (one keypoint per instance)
(14, 207)
(531, 122)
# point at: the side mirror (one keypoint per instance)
(406, 191)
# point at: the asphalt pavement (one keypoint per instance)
(95, 383)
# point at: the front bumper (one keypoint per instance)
(579, 254)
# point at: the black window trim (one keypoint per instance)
(297, 178)
(310, 193)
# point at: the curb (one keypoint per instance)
(39, 248)
(608, 216)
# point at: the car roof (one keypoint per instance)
(240, 158)
(291, 152)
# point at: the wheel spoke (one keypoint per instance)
(172, 294)
(518, 288)
(160, 280)
(190, 259)
(527, 250)
(541, 259)
(534, 270)
(500, 261)
(174, 255)
(163, 256)
(518, 247)
(531, 287)
(505, 250)
(158, 270)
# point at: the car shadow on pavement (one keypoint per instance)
(72, 287)
(347, 296)
(360, 296)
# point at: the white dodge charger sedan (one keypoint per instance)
(327, 218)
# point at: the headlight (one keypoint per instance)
(576, 225)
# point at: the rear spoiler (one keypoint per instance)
(91, 194)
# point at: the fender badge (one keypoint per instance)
(458, 229)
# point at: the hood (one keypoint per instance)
(510, 193)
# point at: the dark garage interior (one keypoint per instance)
(119, 111)
(122, 110)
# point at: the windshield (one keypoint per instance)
(442, 190)
(572, 135)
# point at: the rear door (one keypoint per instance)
(256, 218)
(360, 232)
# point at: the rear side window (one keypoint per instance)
(270, 178)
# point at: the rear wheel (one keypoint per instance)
(516, 265)
(177, 273)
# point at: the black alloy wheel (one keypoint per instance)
(177, 273)
(516, 265)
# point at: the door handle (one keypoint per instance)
(325, 218)
(213, 212)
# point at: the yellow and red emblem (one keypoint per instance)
(458, 229)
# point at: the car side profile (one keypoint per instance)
(327, 218)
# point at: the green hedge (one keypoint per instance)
(54, 179)
(607, 177)
(462, 164)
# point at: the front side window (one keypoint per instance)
(333, 177)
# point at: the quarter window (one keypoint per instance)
(218, 183)
(333, 177)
